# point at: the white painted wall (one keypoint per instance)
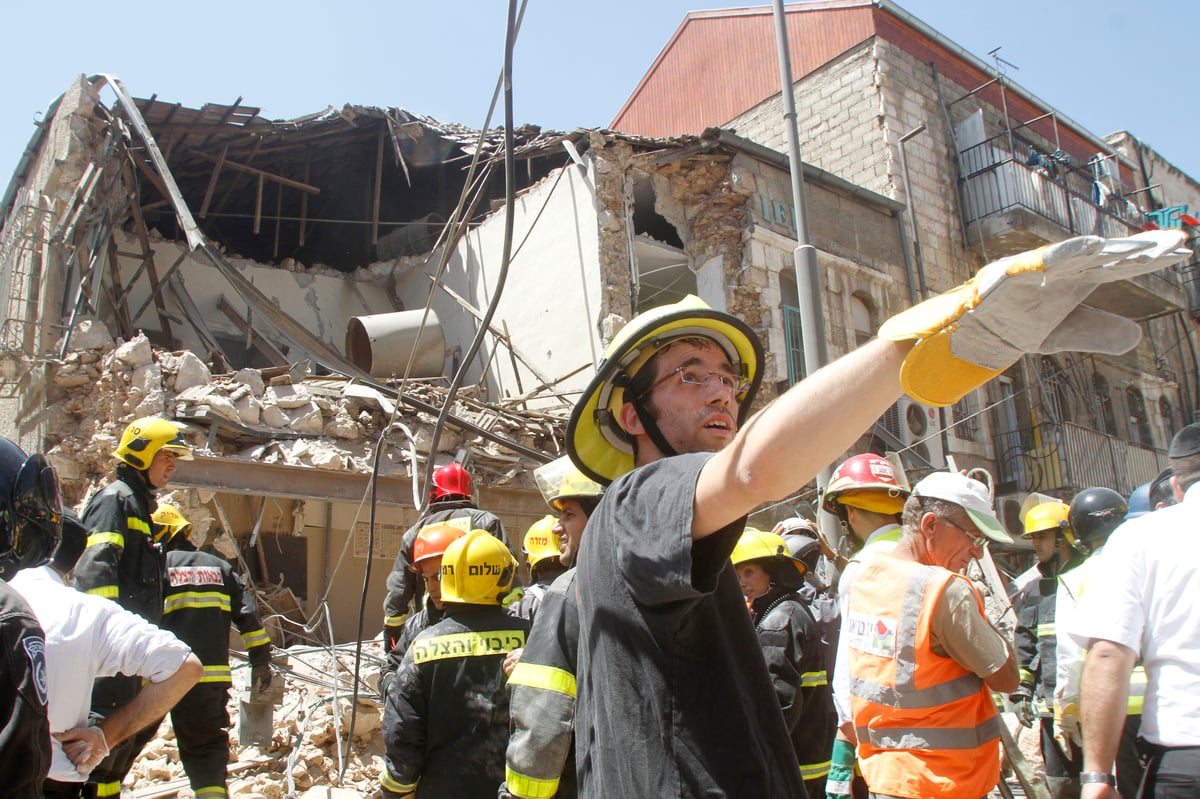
(550, 300)
(322, 303)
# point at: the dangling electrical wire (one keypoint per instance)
(484, 324)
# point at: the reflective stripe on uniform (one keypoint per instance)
(107, 591)
(255, 638)
(134, 523)
(116, 539)
(530, 787)
(931, 737)
(812, 679)
(216, 674)
(394, 621)
(812, 771)
(545, 678)
(908, 696)
(1137, 691)
(106, 789)
(196, 599)
(388, 783)
(1046, 630)
(462, 645)
(211, 792)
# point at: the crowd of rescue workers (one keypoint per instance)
(652, 643)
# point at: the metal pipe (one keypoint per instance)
(808, 276)
(912, 215)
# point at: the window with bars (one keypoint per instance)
(966, 416)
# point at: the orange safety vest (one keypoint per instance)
(926, 726)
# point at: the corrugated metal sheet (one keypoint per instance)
(720, 63)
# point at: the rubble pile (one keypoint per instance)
(277, 415)
(306, 755)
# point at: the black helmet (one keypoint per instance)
(1094, 514)
(30, 509)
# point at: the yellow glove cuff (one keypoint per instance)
(932, 374)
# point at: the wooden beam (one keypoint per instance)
(235, 184)
(304, 197)
(193, 315)
(378, 186)
(143, 236)
(258, 198)
(212, 182)
(120, 308)
(156, 291)
(278, 221)
(260, 343)
(295, 184)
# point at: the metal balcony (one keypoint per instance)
(1060, 459)
(1010, 206)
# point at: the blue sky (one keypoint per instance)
(1106, 65)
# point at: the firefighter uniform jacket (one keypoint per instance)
(402, 583)
(24, 726)
(792, 648)
(540, 760)
(414, 625)
(123, 560)
(445, 719)
(1035, 637)
(204, 594)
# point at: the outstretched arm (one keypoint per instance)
(784, 445)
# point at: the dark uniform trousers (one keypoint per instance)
(201, 722)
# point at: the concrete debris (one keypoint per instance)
(306, 756)
(274, 415)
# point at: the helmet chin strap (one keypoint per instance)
(651, 428)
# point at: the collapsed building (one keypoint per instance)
(297, 294)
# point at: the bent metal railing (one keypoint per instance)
(996, 180)
(1065, 457)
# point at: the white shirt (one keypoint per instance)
(1142, 594)
(841, 666)
(88, 637)
(1069, 654)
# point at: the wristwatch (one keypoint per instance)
(1097, 776)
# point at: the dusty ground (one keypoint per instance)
(304, 757)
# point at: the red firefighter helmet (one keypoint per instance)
(449, 481)
(866, 481)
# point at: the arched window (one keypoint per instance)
(1139, 425)
(1166, 416)
(860, 320)
(1106, 418)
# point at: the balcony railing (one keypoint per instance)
(997, 180)
(1062, 458)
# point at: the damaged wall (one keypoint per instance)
(550, 294)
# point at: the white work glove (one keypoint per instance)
(1026, 303)
(85, 746)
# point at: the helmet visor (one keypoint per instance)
(36, 493)
(37, 502)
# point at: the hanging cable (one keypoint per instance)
(456, 382)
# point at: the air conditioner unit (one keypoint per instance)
(917, 426)
(1008, 509)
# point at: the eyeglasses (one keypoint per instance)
(981, 541)
(694, 376)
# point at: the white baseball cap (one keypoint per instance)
(970, 495)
